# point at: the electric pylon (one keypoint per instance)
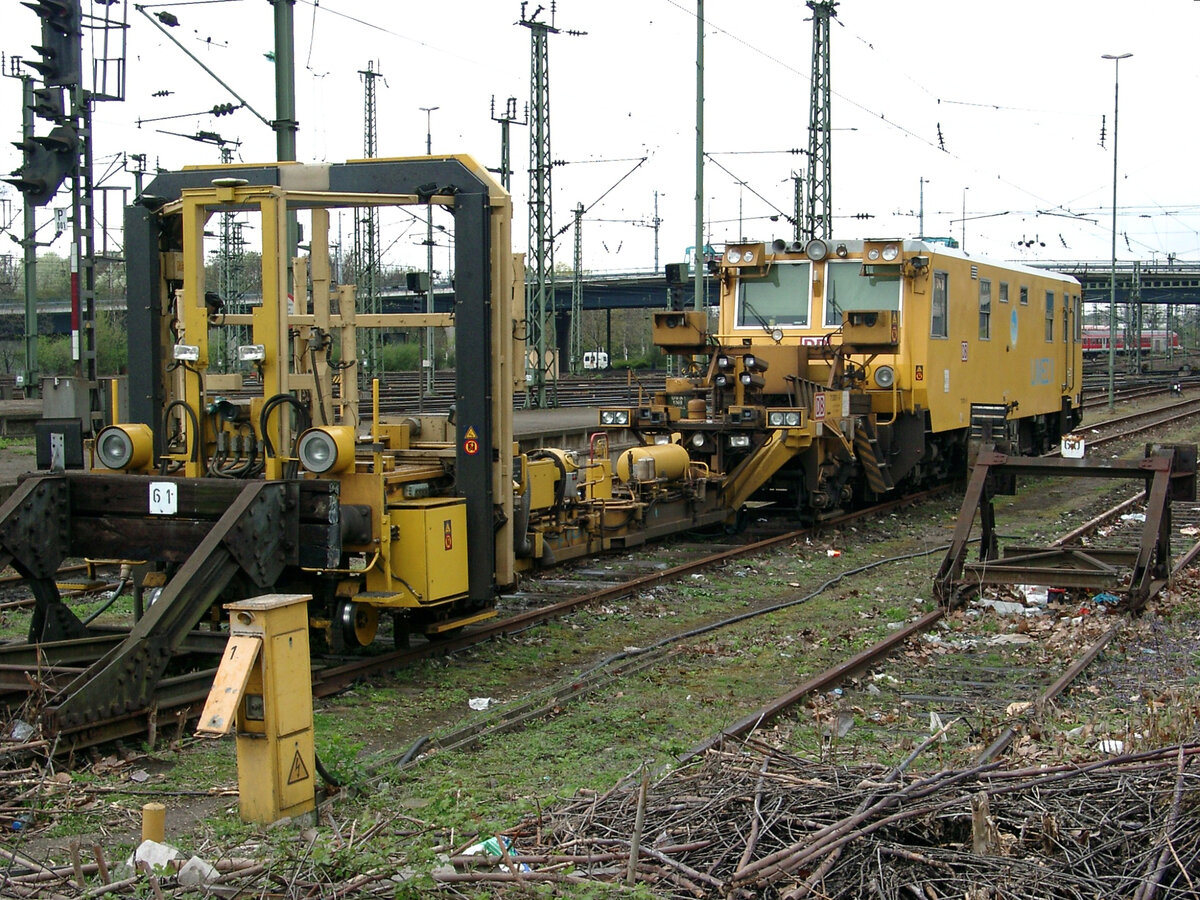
(540, 361)
(818, 220)
(366, 238)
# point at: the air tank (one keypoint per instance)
(669, 461)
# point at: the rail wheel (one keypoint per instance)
(358, 622)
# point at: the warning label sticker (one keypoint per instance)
(299, 771)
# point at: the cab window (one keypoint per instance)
(780, 298)
(848, 290)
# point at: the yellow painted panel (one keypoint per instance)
(220, 709)
(446, 551)
(430, 554)
(295, 769)
(290, 682)
(543, 475)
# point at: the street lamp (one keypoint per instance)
(1112, 285)
(429, 347)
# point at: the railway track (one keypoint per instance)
(181, 697)
(406, 393)
(840, 707)
(985, 691)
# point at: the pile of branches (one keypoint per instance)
(753, 821)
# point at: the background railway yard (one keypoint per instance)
(706, 729)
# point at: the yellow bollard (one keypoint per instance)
(154, 822)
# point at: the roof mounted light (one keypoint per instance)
(816, 249)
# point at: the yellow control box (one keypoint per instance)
(429, 553)
(263, 690)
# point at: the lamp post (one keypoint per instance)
(1112, 285)
(429, 307)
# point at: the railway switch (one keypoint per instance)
(263, 692)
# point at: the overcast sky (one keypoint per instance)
(998, 105)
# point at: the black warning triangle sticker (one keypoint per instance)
(299, 771)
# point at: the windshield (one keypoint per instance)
(780, 298)
(846, 289)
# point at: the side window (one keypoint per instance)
(1050, 316)
(1003, 298)
(938, 305)
(985, 309)
(1024, 295)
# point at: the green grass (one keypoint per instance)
(23, 446)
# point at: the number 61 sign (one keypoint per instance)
(164, 498)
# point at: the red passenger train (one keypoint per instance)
(1095, 341)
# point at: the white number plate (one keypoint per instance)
(164, 498)
(1072, 447)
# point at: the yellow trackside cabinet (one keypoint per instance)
(263, 688)
(429, 551)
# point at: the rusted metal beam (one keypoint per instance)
(1170, 474)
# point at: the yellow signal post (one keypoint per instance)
(263, 689)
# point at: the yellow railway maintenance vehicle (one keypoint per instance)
(834, 372)
(840, 370)
(226, 487)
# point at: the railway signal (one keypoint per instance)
(61, 46)
(47, 162)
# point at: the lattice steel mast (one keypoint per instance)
(818, 218)
(366, 235)
(539, 263)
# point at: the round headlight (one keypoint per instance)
(698, 439)
(816, 249)
(607, 417)
(329, 449)
(775, 419)
(733, 256)
(128, 446)
(890, 252)
(114, 449)
(885, 376)
(792, 418)
(873, 254)
(777, 334)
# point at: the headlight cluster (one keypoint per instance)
(784, 418)
(614, 417)
(887, 253)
